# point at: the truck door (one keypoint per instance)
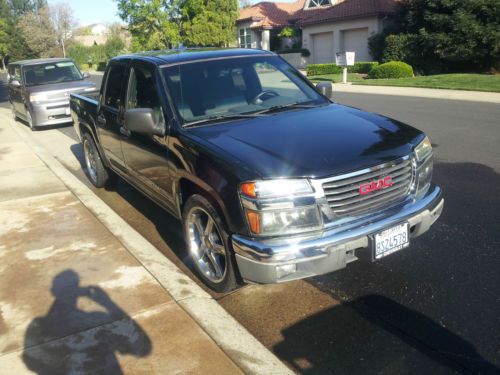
(110, 112)
(146, 156)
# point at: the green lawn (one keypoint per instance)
(476, 82)
(336, 78)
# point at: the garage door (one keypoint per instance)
(323, 48)
(357, 40)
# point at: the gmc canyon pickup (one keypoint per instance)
(272, 180)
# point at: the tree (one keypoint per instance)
(64, 23)
(209, 22)
(154, 24)
(4, 31)
(38, 31)
(444, 35)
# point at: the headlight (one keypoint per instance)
(423, 150)
(38, 97)
(423, 154)
(275, 188)
(278, 207)
(284, 221)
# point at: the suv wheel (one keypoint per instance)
(208, 244)
(95, 169)
(14, 115)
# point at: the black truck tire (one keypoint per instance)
(95, 170)
(208, 245)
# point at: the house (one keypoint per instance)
(324, 26)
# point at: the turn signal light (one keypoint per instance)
(248, 188)
(254, 221)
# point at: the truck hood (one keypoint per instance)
(316, 142)
(60, 90)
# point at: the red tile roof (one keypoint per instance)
(269, 14)
(350, 9)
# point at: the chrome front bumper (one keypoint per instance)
(285, 259)
(51, 113)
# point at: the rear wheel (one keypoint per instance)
(97, 173)
(208, 245)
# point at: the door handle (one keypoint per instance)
(101, 120)
(124, 131)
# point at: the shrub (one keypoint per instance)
(397, 48)
(304, 52)
(362, 67)
(391, 69)
(319, 69)
(101, 67)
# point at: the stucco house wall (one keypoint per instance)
(373, 26)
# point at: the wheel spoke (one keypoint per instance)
(211, 256)
(219, 249)
(199, 226)
(210, 227)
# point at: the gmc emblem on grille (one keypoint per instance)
(375, 185)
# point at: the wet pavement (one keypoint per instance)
(433, 308)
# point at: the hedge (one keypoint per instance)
(391, 69)
(359, 67)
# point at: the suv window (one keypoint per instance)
(142, 91)
(15, 72)
(114, 81)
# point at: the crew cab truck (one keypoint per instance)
(39, 90)
(271, 179)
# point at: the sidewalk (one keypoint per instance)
(474, 96)
(80, 291)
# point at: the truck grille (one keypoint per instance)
(343, 192)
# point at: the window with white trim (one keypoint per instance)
(318, 3)
(245, 38)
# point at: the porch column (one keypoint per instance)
(265, 40)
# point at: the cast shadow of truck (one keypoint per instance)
(383, 336)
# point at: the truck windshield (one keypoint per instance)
(222, 89)
(43, 74)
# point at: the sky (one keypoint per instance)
(88, 12)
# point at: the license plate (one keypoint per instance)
(66, 111)
(391, 240)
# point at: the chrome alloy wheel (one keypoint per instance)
(205, 244)
(90, 159)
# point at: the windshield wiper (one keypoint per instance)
(286, 106)
(215, 118)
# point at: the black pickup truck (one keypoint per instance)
(272, 180)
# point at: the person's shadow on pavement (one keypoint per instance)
(88, 349)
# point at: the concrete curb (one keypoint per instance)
(238, 344)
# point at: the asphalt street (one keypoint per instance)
(432, 308)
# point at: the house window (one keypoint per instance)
(318, 3)
(245, 38)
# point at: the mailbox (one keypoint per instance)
(344, 58)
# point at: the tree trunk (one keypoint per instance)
(3, 62)
(63, 48)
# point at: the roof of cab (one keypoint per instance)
(173, 56)
(39, 61)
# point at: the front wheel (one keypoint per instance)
(29, 118)
(95, 169)
(208, 245)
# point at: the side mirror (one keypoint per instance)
(142, 120)
(15, 83)
(86, 75)
(324, 88)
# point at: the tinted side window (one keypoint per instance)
(113, 91)
(142, 92)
